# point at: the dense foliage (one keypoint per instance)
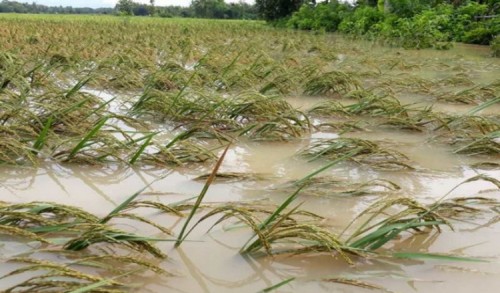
(411, 24)
(276, 9)
(218, 9)
(495, 46)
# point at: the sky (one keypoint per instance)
(111, 3)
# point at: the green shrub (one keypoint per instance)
(495, 46)
(324, 16)
(410, 24)
(480, 35)
(407, 8)
(360, 22)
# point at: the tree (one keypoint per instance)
(209, 8)
(152, 8)
(276, 9)
(141, 9)
(125, 7)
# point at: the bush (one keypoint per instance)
(411, 24)
(407, 8)
(495, 46)
(480, 35)
(324, 16)
(360, 22)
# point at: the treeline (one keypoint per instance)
(17, 7)
(407, 23)
(198, 8)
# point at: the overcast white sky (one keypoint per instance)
(111, 3)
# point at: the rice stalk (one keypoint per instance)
(199, 199)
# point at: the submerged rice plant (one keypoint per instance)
(331, 83)
(251, 114)
(44, 221)
(267, 118)
(331, 186)
(372, 233)
(487, 144)
(365, 153)
(71, 274)
(472, 95)
(289, 232)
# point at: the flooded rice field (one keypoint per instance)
(205, 156)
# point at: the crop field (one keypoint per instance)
(178, 155)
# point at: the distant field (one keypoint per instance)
(323, 163)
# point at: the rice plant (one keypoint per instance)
(372, 233)
(331, 83)
(267, 118)
(71, 275)
(373, 105)
(43, 221)
(473, 95)
(487, 144)
(331, 186)
(367, 152)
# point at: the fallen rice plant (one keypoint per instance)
(285, 230)
(331, 83)
(331, 186)
(44, 221)
(372, 234)
(366, 153)
(47, 222)
(472, 95)
(253, 115)
(235, 177)
(487, 144)
(71, 275)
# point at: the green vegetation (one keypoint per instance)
(410, 24)
(495, 46)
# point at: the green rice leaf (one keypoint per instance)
(435, 256)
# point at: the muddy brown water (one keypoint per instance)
(211, 262)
